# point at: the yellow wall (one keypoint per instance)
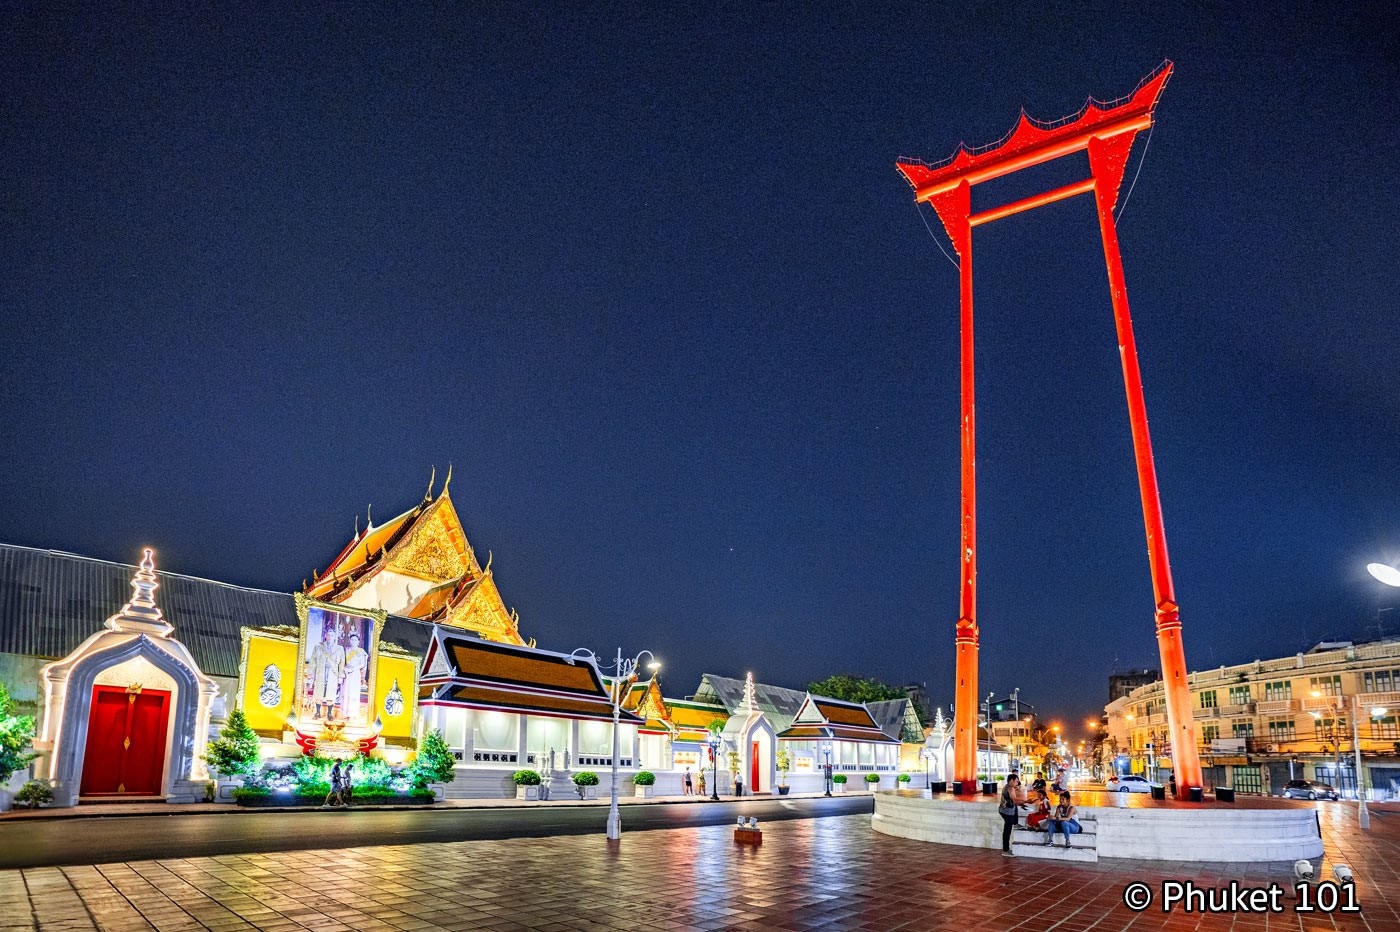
(387, 670)
(261, 652)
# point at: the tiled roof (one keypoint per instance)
(778, 703)
(844, 713)
(897, 718)
(486, 674)
(51, 601)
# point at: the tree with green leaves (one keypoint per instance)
(16, 735)
(860, 689)
(434, 762)
(235, 752)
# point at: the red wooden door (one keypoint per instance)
(126, 742)
(753, 768)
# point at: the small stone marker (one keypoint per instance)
(749, 834)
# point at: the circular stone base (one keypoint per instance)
(1128, 825)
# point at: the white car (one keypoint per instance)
(1129, 783)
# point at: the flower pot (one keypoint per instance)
(783, 790)
(645, 792)
(439, 791)
(527, 792)
(224, 787)
(840, 787)
(7, 800)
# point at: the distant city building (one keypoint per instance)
(1264, 723)
(1120, 684)
(918, 694)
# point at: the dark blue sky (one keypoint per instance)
(648, 278)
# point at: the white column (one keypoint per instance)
(573, 744)
(520, 745)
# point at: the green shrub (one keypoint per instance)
(235, 752)
(312, 769)
(434, 762)
(839, 778)
(644, 778)
(904, 778)
(16, 734)
(35, 793)
(872, 778)
(313, 790)
(372, 771)
(525, 778)
(585, 778)
(252, 792)
(372, 792)
(420, 793)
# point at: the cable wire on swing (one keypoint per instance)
(934, 236)
(1142, 158)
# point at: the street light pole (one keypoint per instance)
(715, 742)
(826, 751)
(624, 670)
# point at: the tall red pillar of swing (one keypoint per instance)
(1107, 131)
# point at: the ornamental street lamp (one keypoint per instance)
(826, 750)
(715, 742)
(624, 671)
(927, 755)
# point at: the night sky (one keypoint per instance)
(647, 277)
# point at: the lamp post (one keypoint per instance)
(927, 755)
(715, 742)
(1336, 735)
(826, 752)
(623, 671)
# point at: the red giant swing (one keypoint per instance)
(1107, 131)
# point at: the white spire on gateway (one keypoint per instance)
(141, 615)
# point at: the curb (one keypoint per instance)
(176, 809)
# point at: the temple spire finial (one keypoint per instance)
(431, 479)
(750, 701)
(448, 481)
(141, 615)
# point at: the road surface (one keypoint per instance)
(42, 843)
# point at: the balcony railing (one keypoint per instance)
(1211, 712)
(1323, 703)
(1275, 706)
(1390, 700)
(1157, 718)
(1239, 708)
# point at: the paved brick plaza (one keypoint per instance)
(819, 873)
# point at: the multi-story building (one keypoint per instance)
(1261, 724)
(1120, 684)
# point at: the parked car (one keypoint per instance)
(1128, 783)
(1309, 789)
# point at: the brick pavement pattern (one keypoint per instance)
(830, 873)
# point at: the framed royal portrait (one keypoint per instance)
(337, 655)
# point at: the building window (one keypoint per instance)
(1239, 695)
(1380, 681)
(1242, 729)
(1326, 685)
(1209, 733)
(1387, 726)
(1208, 699)
(495, 731)
(1282, 729)
(1279, 691)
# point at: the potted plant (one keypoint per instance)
(527, 784)
(903, 780)
(34, 794)
(586, 782)
(839, 781)
(434, 766)
(784, 765)
(234, 755)
(645, 783)
(872, 780)
(16, 733)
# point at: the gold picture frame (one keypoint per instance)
(368, 623)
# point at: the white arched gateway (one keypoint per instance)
(126, 714)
